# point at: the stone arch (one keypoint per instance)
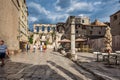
(60, 28)
(48, 28)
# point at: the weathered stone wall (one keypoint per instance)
(9, 23)
(115, 23)
(116, 42)
(98, 44)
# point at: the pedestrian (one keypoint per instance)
(34, 48)
(27, 47)
(41, 48)
(3, 52)
(44, 47)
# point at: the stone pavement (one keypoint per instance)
(100, 69)
(42, 66)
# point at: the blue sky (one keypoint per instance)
(53, 11)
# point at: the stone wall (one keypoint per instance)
(115, 23)
(9, 23)
(116, 42)
(98, 44)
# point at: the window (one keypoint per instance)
(18, 3)
(99, 32)
(119, 23)
(82, 21)
(43, 28)
(83, 27)
(37, 28)
(115, 17)
(48, 29)
(77, 26)
(76, 32)
(91, 27)
(91, 32)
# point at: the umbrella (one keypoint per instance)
(80, 40)
(43, 40)
(64, 40)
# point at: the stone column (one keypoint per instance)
(35, 28)
(34, 35)
(45, 31)
(73, 54)
(40, 29)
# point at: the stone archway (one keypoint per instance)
(44, 34)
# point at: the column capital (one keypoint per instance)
(73, 21)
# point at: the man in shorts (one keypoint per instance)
(3, 51)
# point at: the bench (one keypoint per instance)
(97, 54)
(109, 56)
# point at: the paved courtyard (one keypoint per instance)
(101, 69)
(42, 66)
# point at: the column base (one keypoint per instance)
(72, 56)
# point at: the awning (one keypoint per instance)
(43, 40)
(64, 41)
(80, 40)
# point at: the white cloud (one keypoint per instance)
(50, 15)
(32, 19)
(58, 8)
(38, 7)
(105, 19)
(57, 17)
(81, 15)
(80, 6)
(97, 3)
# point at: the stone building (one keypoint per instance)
(23, 24)
(79, 20)
(85, 30)
(115, 23)
(44, 34)
(95, 35)
(95, 30)
(13, 22)
(115, 29)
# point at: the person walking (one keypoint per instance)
(41, 48)
(27, 47)
(34, 48)
(44, 47)
(3, 51)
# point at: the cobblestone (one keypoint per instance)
(42, 66)
(100, 69)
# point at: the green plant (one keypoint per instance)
(31, 39)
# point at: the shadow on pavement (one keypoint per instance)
(84, 72)
(86, 57)
(71, 75)
(17, 71)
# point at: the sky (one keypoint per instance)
(54, 11)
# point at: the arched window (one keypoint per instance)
(37, 28)
(48, 29)
(43, 28)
